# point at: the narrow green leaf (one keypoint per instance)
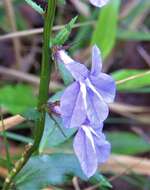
(133, 84)
(60, 39)
(36, 7)
(127, 143)
(64, 34)
(17, 137)
(106, 28)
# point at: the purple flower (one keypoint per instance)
(91, 148)
(90, 145)
(89, 95)
(84, 105)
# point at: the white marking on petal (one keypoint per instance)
(83, 91)
(92, 131)
(90, 85)
(65, 58)
(89, 136)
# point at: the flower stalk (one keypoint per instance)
(43, 95)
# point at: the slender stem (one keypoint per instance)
(9, 164)
(45, 71)
(43, 94)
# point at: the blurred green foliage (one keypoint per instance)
(127, 143)
(106, 27)
(17, 99)
(136, 83)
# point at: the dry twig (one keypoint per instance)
(144, 54)
(40, 30)
(11, 122)
(76, 183)
(29, 78)
(11, 18)
(122, 165)
(119, 164)
(119, 107)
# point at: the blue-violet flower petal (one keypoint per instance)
(91, 149)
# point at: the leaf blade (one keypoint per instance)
(106, 28)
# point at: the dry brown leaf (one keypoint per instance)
(127, 164)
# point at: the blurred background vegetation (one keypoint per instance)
(122, 31)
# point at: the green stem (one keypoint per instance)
(43, 94)
(9, 164)
(45, 71)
